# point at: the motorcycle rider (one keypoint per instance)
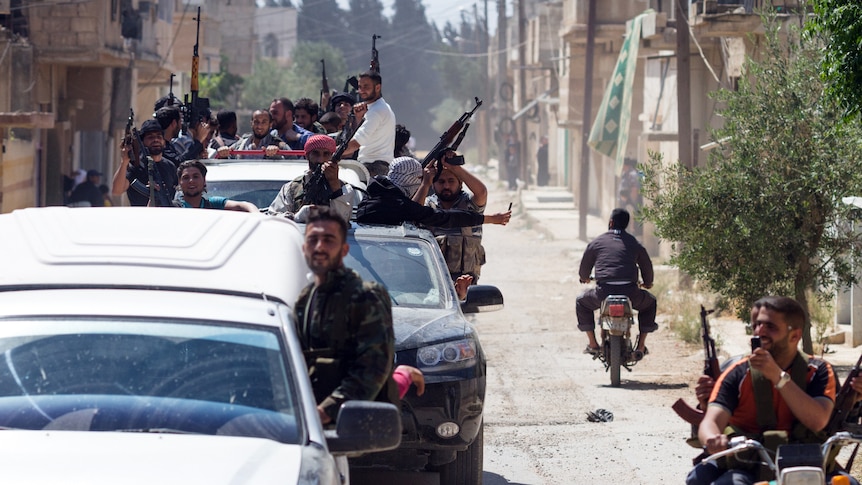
(776, 388)
(616, 255)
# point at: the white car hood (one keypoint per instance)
(106, 457)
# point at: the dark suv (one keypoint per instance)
(442, 429)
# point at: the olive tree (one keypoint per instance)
(764, 215)
(840, 24)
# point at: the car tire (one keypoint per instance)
(468, 465)
(616, 359)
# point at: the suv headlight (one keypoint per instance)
(457, 354)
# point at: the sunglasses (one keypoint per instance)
(320, 153)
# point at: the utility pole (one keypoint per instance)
(683, 91)
(502, 113)
(482, 49)
(522, 92)
(584, 192)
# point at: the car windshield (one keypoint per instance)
(145, 376)
(261, 193)
(406, 267)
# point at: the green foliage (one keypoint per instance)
(445, 114)
(840, 23)
(223, 88)
(765, 215)
(462, 79)
(302, 79)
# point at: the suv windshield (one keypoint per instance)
(109, 375)
(261, 193)
(404, 266)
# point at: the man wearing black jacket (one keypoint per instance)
(617, 256)
(389, 201)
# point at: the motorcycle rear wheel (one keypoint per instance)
(616, 359)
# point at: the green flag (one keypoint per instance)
(610, 132)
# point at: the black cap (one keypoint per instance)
(341, 97)
(150, 126)
(94, 173)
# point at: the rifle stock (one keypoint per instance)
(844, 401)
(710, 367)
(197, 108)
(324, 86)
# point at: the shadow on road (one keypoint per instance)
(650, 386)
(489, 478)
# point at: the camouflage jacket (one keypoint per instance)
(345, 328)
(291, 198)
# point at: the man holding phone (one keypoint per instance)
(776, 388)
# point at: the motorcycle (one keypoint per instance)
(794, 464)
(617, 349)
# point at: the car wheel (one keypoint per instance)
(468, 465)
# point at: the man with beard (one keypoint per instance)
(283, 125)
(461, 246)
(305, 113)
(375, 138)
(344, 324)
(777, 387)
(293, 195)
(193, 183)
(179, 147)
(133, 179)
(260, 138)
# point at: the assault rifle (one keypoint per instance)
(710, 367)
(129, 138)
(844, 402)
(317, 190)
(324, 86)
(375, 61)
(196, 108)
(450, 140)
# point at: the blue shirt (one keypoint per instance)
(215, 203)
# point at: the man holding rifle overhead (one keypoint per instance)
(375, 137)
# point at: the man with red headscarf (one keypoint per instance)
(319, 185)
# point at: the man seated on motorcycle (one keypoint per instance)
(800, 389)
(616, 255)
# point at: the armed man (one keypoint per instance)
(344, 324)
(133, 179)
(461, 246)
(775, 395)
(375, 137)
(299, 193)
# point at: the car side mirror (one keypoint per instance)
(482, 298)
(365, 427)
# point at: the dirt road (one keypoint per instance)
(540, 385)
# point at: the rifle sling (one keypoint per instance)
(763, 388)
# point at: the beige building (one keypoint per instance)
(69, 72)
(545, 94)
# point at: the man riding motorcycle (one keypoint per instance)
(616, 255)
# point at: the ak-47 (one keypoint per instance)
(451, 139)
(196, 108)
(317, 190)
(375, 61)
(844, 405)
(710, 367)
(129, 138)
(324, 85)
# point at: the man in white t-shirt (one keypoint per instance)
(375, 138)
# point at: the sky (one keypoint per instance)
(440, 11)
